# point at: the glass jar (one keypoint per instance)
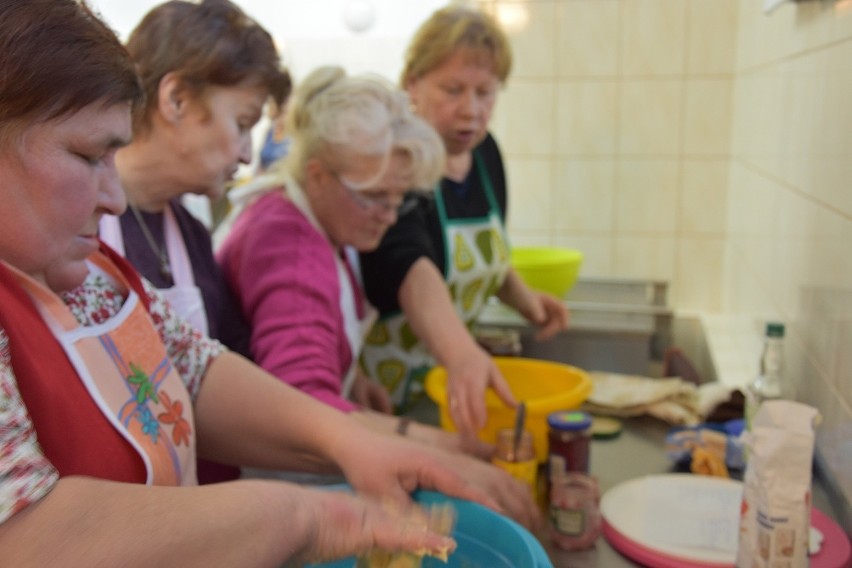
(520, 464)
(569, 437)
(575, 519)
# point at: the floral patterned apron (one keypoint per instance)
(477, 260)
(126, 370)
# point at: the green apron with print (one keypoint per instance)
(477, 260)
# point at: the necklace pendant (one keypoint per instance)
(165, 270)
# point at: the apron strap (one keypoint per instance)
(176, 247)
(109, 231)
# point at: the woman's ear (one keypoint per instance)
(172, 97)
(411, 88)
(313, 170)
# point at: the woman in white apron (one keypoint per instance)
(193, 134)
(106, 394)
(447, 255)
(286, 256)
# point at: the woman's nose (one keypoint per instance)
(470, 104)
(111, 196)
(245, 150)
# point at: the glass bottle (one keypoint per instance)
(575, 518)
(768, 383)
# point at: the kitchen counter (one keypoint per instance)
(638, 451)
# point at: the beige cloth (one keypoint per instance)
(670, 399)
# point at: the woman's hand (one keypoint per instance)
(469, 375)
(450, 441)
(341, 524)
(546, 312)
(426, 302)
(370, 394)
(390, 466)
(513, 496)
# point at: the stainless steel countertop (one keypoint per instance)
(638, 451)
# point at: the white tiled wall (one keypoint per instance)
(629, 104)
(789, 232)
(708, 144)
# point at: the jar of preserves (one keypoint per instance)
(575, 519)
(519, 462)
(569, 438)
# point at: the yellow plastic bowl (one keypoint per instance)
(548, 269)
(544, 386)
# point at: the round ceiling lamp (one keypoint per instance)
(359, 15)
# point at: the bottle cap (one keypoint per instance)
(571, 420)
(774, 329)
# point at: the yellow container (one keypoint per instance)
(548, 269)
(545, 386)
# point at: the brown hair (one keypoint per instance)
(452, 28)
(211, 43)
(57, 57)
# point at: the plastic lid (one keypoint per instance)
(774, 329)
(569, 420)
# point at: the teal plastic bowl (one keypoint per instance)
(485, 540)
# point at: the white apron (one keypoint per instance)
(355, 324)
(477, 260)
(185, 297)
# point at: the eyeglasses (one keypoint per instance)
(363, 196)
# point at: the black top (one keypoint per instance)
(224, 318)
(418, 231)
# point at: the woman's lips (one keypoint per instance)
(464, 136)
(86, 245)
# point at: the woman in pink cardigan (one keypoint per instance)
(357, 148)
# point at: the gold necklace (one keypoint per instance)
(162, 255)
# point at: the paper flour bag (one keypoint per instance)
(776, 507)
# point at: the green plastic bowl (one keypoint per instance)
(548, 269)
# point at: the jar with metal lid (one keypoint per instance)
(575, 519)
(569, 437)
(519, 462)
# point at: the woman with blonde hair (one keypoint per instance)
(449, 252)
(356, 149)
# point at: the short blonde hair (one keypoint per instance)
(450, 29)
(339, 119)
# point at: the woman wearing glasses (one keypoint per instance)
(356, 150)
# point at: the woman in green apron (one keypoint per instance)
(448, 253)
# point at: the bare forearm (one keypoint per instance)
(87, 523)
(421, 433)
(514, 292)
(426, 302)
(246, 416)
